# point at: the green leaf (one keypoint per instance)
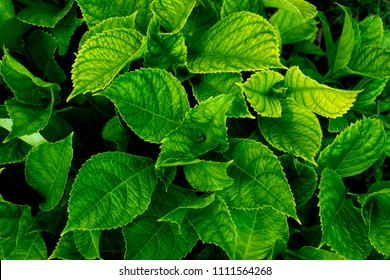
(355, 149)
(372, 61)
(87, 242)
(233, 6)
(297, 131)
(214, 224)
(66, 248)
(258, 90)
(239, 42)
(41, 47)
(302, 179)
(164, 50)
(102, 57)
(377, 214)
(342, 224)
(24, 85)
(321, 99)
(342, 52)
(157, 103)
(257, 232)
(27, 118)
(261, 179)
(311, 253)
(64, 30)
(327, 34)
(34, 139)
(293, 28)
(146, 234)
(371, 30)
(114, 131)
(110, 190)
(372, 88)
(208, 175)
(12, 151)
(95, 11)
(110, 23)
(43, 14)
(11, 32)
(299, 7)
(208, 85)
(172, 14)
(47, 168)
(203, 130)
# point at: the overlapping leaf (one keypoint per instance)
(208, 175)
(371, 30)
(233, 6)
(312, 253)
(239, 42)
(259, 179)
(151, 101)
(299, 7)
(47, 168)
(203, 130)
(297, 131)
(114, 131)
(372, 61)
(87, 242)
(355, 149)
(102, 57)
(321, 99)
(208, 85)
(258, 90)
(342, 224)
(66, 248)
(110, 190)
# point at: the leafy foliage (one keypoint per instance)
(194, 129)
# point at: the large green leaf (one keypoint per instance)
(43, 14)
(299, 7)
(377, 214)
(110, 23)
(342, 52)
(34, 139)
(208, 175)
(297, 131)
(214, 84)
(234, 6)
(87, 242)
(260, 180)
(258, 90)
(355, 149)
(102, 57)
(372, 88)
(110, 190)
(47, 168)
(172, 14)
(293, 28)
(321, 99)
(203, 130)
(151, 101)
(257, 232)
(239, 42)
(342, 224)
(372, 61)
(30, 247)
(214, 224)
